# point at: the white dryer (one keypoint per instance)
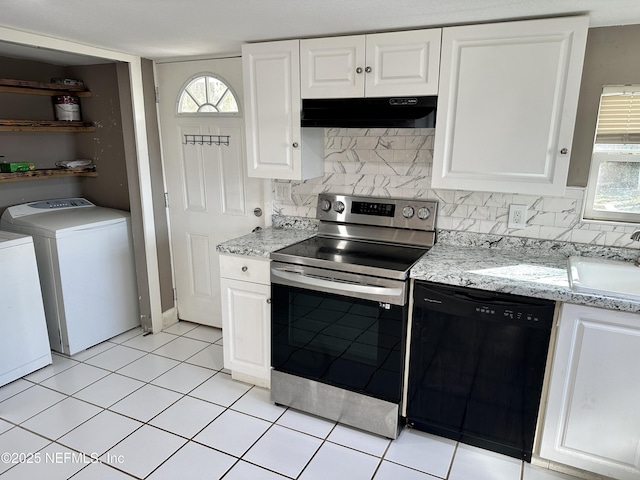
(87, 270)
(24, 345)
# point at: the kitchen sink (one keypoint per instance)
(614, 278)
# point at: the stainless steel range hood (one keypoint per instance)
(384, 112)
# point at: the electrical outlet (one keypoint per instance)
(517, 216)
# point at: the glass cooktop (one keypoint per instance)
(352, 255)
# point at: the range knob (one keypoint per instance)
(407, 212)
(424, 213)
(338, 206)
(325, 205)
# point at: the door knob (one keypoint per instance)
(257, 212)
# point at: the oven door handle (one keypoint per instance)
(341, 287)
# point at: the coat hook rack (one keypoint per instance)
(206, 139)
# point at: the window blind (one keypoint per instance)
(619, 117)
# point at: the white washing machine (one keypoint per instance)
(86, 266)
(24, 345)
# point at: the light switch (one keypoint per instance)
(282, 191)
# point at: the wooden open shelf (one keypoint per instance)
(12, 125)
(45, 126)
(8, 85)
(46, 173)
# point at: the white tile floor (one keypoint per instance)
(162, 407)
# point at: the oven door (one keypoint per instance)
(339, 329)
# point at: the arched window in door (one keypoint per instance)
(207, 94)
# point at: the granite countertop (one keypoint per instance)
(263, 242)
(533, 268)
(526, 267)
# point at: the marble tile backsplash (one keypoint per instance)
(397, 163)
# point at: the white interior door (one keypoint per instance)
(211, 199)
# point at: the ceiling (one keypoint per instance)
(170, 29)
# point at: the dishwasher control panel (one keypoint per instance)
(509, 313)
(482, 305)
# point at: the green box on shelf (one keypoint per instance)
(16, 167)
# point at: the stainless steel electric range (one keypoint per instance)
(339, 306)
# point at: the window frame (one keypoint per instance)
(590, 214)
(221, 79)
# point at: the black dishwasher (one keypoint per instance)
(476, 366)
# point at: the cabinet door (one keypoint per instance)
(332, 67)
(593, 415)
(507, 105)
(246, 324)
(272, 109)
(403, 63)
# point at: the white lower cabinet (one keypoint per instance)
(246, 318)
(592, 420)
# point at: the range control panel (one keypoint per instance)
(385, 212)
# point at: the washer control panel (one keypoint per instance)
(38, 207)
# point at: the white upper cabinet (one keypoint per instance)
(592, 421)
(332, 67)
(507, 105)
(271, 74)
(376, 65)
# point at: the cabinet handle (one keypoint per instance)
(368, 69)
(295, 145)
(244, 269)
(359, 70)
(564, 151)
(268, 300)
